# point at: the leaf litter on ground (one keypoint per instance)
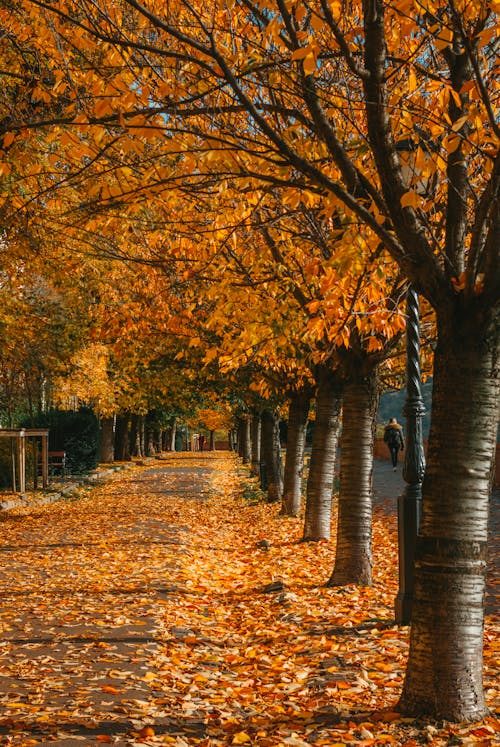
(164, 607)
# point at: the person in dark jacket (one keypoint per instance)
(393, 437)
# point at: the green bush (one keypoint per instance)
(76, 433)
(5, 463)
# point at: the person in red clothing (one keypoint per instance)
(393, 437)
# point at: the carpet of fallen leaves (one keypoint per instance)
(169, 606)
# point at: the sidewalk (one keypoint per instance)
(83, 584)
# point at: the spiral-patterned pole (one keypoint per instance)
(410, 502)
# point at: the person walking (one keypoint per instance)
(393, 437)
(201, 441)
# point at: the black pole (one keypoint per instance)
(410, 502)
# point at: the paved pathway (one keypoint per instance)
(76, 636)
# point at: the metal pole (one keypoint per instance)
(410, 502)
(21, 446)
(45, 461)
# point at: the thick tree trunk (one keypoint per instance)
(295, 446)
(107, 440)
(256, 442)
(122, 443)
(166, 439)
(353, 557)
(240, 437)
(271, 456)
(173, 433)
(444, 672)
(135, 437)
(317, 523)
(246, 445)
(150, 442)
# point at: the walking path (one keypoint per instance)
(83, 583)
(141, 613)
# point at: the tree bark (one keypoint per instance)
(246, 445)
(271, 456)
(122, 444)
(353, 557)
(173, 433)
(240, 437)
(444, 672)
(295, 446)
(256, 442)
(107, 440)
(135, 437)
(317, 523)
(212, 440)
(150, 441)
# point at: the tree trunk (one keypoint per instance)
(444, 672)
(317, 523)
(246, 444)
(141, 421)
(135, 437)
(173, 433)
(353, 557)
(122, 438)
(271, 456)
(107, 440)
(166, 439)
(240, 437)
(150, 442)
(295, 446)
(256, 442)
(212, 440)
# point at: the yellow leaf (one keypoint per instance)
(460, 282)
(456, 126)
(8, 139)
(410, 199)
(241, 738)
(300, 53)
(412, 81)
(110, 689)
(309, 64)
(211, 354)
(104, 738)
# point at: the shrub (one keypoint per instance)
(76, 433)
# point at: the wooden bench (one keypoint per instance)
(57, 463)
